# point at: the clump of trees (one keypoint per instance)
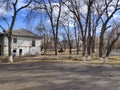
(111, 38)
(77, 20)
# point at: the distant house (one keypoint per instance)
(24, 42)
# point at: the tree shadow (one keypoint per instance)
(56, 76)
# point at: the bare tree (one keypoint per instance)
(68, 21)
(45, 34)
(89, 37)
(105, 19)
(83, 19)
(112, 38)
(64, 41)
(69, 37)
(77, 37)
(12, 5)
(50, 6)
(95, 23)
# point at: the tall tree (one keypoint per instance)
(69, 36)
(82, 18)
(105, 19)
(112, 37)
(89, 37)
(77, 37)
(12, 5)
(45, 34)
(50, 6)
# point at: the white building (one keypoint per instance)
(23, 43)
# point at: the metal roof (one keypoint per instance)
(24, 33)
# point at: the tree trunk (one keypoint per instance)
(77, 49)
(84, 51)
(10, 58)
(89, 49)
(89, 30)
(89, 46)
(56, 53)
(93, 45)
(109, 49)
(45, 47)
(101, 44)
(70, 49)
(76, 40)
(55, 44)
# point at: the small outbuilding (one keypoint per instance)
(24, 42)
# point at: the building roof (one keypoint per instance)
(24, 33)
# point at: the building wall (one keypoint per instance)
(25, 44)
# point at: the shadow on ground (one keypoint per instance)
(56, 76)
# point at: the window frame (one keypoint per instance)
(14, 40)
(33, 43)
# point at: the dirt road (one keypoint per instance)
(59, 76)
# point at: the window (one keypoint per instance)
(14, 50)
(14, 40)
(20, 52)
(33, 43)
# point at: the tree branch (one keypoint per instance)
(24, 6)
(4, 30)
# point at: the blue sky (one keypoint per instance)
(22, 23)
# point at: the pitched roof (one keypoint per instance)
(24, 33)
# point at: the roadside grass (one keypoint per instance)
(113, 60)
(62, 58)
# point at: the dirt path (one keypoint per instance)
(57, 76)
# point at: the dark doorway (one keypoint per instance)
(20, 52)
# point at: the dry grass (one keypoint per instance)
(114, 60)
(62, 58)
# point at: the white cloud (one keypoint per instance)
(21, 3)
(3, 10)
(116, 15)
